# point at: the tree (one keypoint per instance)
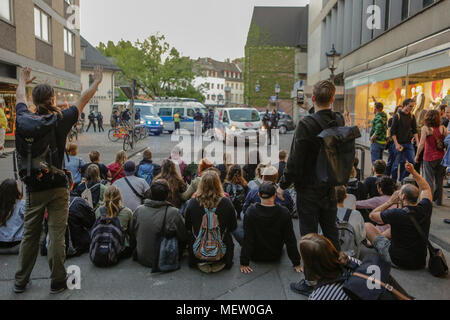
(159, 69)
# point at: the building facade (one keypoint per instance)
(390, 50)
(42, 35)
(103, 100)
(222, 82)
(276, 53)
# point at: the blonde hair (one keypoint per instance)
(210, 190)
(121, 157)
(113, 200)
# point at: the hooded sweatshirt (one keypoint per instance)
(379, 127)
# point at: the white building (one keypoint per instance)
(214, 90)
(104, 98)
(224, 82)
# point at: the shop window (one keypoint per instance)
(405, 9)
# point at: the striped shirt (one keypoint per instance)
(332, 291)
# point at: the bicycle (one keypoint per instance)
(128, 142)
(117, 133)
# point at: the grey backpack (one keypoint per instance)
(347, 238)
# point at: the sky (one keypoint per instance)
(197, 28)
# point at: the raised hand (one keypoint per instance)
(25, 75)
(98, 74)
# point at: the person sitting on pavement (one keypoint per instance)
(146, 169)
(386, 188)
(269, 174)
(176, 183)
(253, 160)
(225, 166)
(80, 221)
(113, 207)
(131, 188)
(116, 168)
(203, 166)
(74, 163)
(406, 249)
(236, 187)
(322, 263)
(258, 181)
(12, 211)
(370, 184)
(267, 228)
(93, 183)
(210, 196)
(355, 220)
(94, 157)
(356, 187)
(147, 223)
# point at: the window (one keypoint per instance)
(6, 10)
(212, 86)
(83, 53)
(208, 97)
(213, 97)
(405, 9)
(426, 3)
(69, 42)
(165, 112)
(70, 2)
(41, 25)
(180, 110)
(191, 112)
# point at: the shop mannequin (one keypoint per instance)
(420, 101)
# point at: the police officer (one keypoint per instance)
(100, 122)
(91, 118)
(198, 122)
(210, 123)
(274, 118)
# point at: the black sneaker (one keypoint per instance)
(58, 287)
(302, 288)
(21, 289)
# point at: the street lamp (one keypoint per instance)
(277, 92)
(333, 61)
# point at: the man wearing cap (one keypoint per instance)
(267, 228)
(131, 187)
(269, 174)
(3, 128)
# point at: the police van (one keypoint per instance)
(232, 124)
(167, 108)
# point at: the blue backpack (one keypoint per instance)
(146, 172)
(107, 241)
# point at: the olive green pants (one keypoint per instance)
(56, 203)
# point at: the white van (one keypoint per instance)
(232, 123)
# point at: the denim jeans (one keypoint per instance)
(376, 151)
(400, 159)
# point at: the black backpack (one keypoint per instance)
(237, 195)
(337, 151)
(37, 152)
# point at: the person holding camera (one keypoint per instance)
(44, 175)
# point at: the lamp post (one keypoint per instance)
(333, 61)
(277, 92)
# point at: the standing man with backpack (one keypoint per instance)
(312, 173)
(40, 143)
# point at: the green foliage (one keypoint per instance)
(122, 97)
(159, 69)
(267, 66)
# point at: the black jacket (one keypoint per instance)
(404, 127)
(301, 166)
(80, 221)
(266, 231)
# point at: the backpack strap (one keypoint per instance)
(72, 202)
(388, 287)
(133, 189)
(348, 213)
(163, 229)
